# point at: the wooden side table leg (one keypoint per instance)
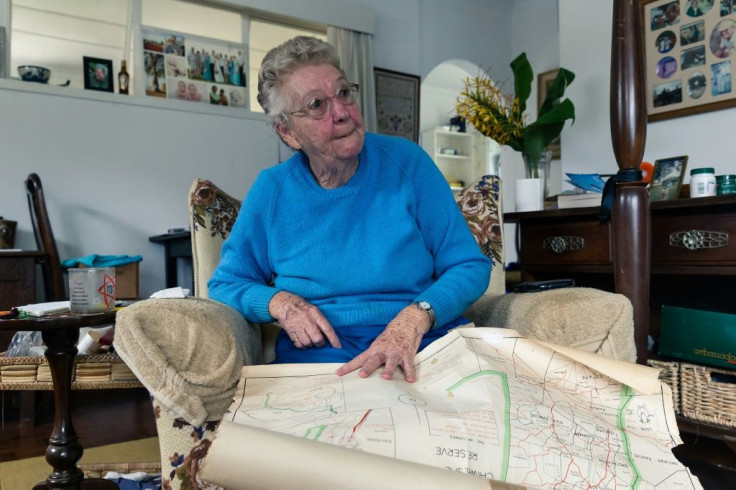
(64, 449)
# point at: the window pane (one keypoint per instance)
(189, 18)
(265, 35)
(57, 35)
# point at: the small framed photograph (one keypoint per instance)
(667, 178)
(98, 74)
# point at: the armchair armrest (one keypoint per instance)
(584, 318)
(187, 352)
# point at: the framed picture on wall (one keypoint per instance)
(544, 81)
(688, 61)
(98, 74)
(397, 103)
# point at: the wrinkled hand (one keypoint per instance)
(303, 322)
(395, 347)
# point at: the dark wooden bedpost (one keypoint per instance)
(630, 217)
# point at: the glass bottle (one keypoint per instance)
(123, 79)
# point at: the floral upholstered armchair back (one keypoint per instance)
(480, 203)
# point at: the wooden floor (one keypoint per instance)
(100, 417)
(110, 416)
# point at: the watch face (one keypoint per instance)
(424, 305)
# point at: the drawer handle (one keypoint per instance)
(697, 240)
(562, 244)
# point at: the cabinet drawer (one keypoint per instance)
(683, 240)
(582, 242)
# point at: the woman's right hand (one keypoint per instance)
(303, 322)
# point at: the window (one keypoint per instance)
(58, 34)
(265, 35)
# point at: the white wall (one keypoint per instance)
(116, 173)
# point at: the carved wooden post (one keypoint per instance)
(630, 217)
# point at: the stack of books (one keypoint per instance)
(579, 200)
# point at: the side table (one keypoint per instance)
(60, 334)
(176, 246)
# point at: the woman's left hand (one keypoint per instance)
(395, 347)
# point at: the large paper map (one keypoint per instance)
(487, 402)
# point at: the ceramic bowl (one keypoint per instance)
(30, 73)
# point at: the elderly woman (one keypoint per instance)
(354, 244)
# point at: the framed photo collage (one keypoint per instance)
(689, 49)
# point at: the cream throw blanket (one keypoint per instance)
(587, 319)
(187, 352)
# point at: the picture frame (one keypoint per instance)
(667, 178)
(687, 49)
(177, 65)
(98, 74)
(397, 103)
(544, 81)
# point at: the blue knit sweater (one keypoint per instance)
(391, 235)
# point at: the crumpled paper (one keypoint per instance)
(176, 292)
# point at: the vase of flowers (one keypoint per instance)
(500, 116)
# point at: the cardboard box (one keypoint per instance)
(126, 281)
(704, 337)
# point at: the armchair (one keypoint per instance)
(212, 340)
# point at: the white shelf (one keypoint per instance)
(469, 162)
(113, 98)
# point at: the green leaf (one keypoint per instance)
(557, 90)
(559, 113)
(523, 77)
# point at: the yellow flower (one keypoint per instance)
(489, 110)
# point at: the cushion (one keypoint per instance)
(480, 202)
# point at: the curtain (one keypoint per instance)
(355, 50)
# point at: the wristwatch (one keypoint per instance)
(424, 306)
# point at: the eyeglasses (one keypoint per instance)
(319, 107)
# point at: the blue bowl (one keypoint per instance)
(30, 73)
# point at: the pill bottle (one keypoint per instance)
(726, 184)
(702, 182)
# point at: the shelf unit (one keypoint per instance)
(459, 156)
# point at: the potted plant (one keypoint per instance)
(501, 117)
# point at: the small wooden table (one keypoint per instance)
(176, 246)
(60, 334)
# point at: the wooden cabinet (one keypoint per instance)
(459, 156)
(17, 283)
(693, 257)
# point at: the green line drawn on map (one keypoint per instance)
(314, 433)
(506, 413)
(267, 404)
(627, 395)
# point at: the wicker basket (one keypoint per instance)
(708, 394)
(92, 372)
(99, 470)
(670, 374)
